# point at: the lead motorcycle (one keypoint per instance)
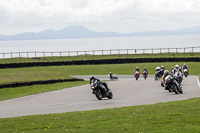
(137, 75)
(100, 89)
(172, 85)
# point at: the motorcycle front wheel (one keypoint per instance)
(98, 94)
(110, 95)
(180, 91)
(175, 89)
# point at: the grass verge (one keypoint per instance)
(179, 117)
(16, 92)
(92, 57)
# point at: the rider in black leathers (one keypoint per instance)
(100, 84)
(166, 73)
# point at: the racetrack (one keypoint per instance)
(126, 92)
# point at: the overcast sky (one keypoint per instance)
(123, 16)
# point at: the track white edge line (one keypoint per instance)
(198, 82)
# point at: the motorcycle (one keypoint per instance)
(113, 76)
(137, 75)
(101, 90)
(172, 85)
(145, 74)
(185, 72)
(178, 76)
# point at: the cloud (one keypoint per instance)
(59, 13)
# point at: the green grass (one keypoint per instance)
(9, 93)
(91, 57)
(178, 117)
(62, 72)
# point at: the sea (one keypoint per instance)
(87, 44)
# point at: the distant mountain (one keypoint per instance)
(78, 31)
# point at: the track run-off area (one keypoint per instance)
(126, 92)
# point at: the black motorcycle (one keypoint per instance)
(172, 85)
(100, 89)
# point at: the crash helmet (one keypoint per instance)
(158, 68)
(91, 77)
(137, 67)
(145, 68)
(184, 64)
(162, 66)
(172, 67)
(177, 66)
(166, 72)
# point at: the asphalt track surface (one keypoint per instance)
(126, 92)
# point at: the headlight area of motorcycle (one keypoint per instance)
(92, 87)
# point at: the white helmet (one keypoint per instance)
(177, 66)
(157, 68)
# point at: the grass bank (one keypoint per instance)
(63, 72)
(179, 117)
(91, 57)
(9, 93)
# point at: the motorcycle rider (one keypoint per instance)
(172, 69)
(163, 68)
(177, 68)
(100, 83)
(145, 70)
(185, 67)
(93, 78)
(111, 75)
(137, 69)
(159, 73)
(166, 73)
